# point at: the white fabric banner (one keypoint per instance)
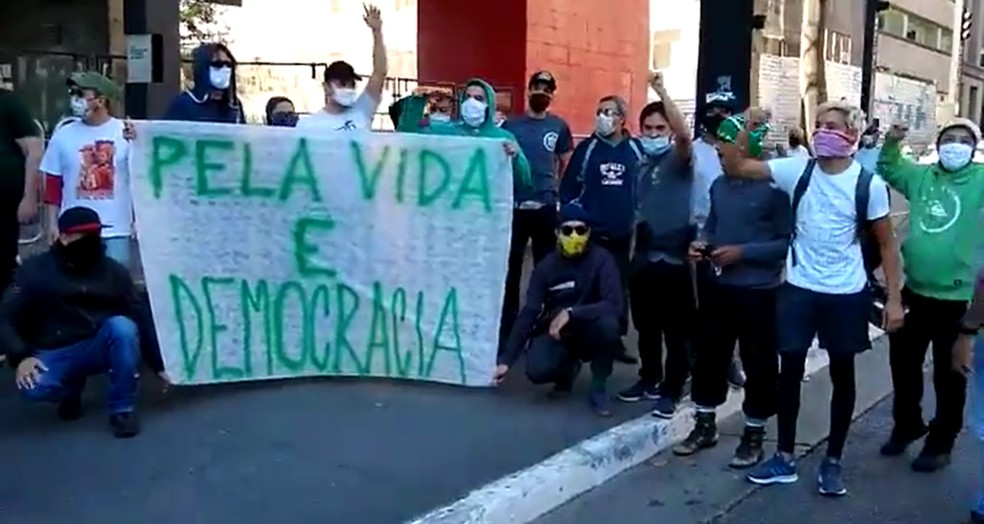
(276, 252)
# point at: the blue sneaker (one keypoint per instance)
(776, 470)
(831, 479)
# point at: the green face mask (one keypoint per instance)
(732, 126)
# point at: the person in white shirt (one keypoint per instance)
(797, 144)
(86, 164)
(345, 109)
(826, 294)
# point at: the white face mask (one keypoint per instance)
(605, 124)
(344, 96)
(955, 156)
(473, 112)
(220, 77)
(440, 117)
(79, 107)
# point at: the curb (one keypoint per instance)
(528, 494)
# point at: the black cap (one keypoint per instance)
(340, 71)
(79, 219)
(544, 78)
(573, 212)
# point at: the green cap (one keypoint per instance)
(732, 126)
(95, 81)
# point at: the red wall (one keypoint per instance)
(458, 40)
(594, 48)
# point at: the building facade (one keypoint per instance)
(972, 68)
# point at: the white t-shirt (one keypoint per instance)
(799, 152)
(707, 168)
(359, 116)
(92, 162)
(828, 255)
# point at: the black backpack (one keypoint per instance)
(869, 244)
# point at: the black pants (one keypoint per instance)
(935, 321)
(536, 225)
(726, 315)
(663, 309)
(549, 360)
(9, 235)
(621, 250)
(841, 400)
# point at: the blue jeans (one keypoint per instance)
(115, 349)
(977, 405)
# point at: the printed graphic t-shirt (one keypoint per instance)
(92, 162)
(359, 116)
(828, 254)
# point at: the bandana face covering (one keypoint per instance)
(832, 144)
(572, 239)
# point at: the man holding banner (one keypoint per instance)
(571, 315)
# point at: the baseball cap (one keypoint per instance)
(79, 219)
(545, 78)
(340, 71)
(95, 81)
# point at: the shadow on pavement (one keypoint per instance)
(317, 450)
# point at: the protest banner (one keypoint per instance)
(273, 252)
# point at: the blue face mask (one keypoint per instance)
(655, 145)
(283, 119)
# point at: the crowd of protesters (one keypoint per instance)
(705, 243)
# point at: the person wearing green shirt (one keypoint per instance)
(21, 146)
(945, 202)
(476, 110)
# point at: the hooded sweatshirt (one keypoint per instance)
(945, 223)
(195, 104)
(412, 121)
(602, 175)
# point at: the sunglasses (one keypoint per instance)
(570, 230)
(218, 64)
(75, 92)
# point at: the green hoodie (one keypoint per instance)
(412, 113)
(945, 223)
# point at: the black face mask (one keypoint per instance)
(82, 253)
(539, 102)
(712, 122)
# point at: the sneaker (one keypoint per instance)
(125, 425)
(736, 376)
(600, 403)
(900, 440)
(703, 436)
(831, 479)
(70, 408)
(776, 470)
(932, 458)
(749, 451)
(639, 391)
(665, 407)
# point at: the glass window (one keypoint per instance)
(892, 22)
(946, 39)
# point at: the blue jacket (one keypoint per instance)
(602, 176)
(195, 104)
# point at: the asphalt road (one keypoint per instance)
(702, 490)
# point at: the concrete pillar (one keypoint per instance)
(154, 17)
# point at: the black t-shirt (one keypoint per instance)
(15, 124)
